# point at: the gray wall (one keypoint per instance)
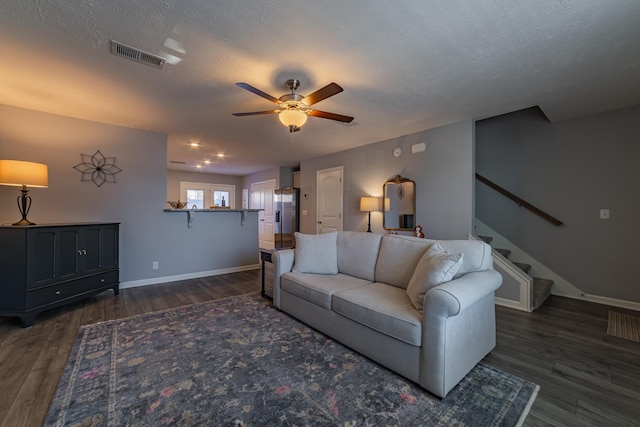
(174, 178)
(136, 201)
(266, 175)
(571, 170)
(283, 176)
(286, 176)
(444, 176)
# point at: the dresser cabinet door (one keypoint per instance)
(99, 248)
(109, 246)
(41, 256)
(68, 255)
(53, 255)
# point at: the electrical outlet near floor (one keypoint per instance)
(155, 265)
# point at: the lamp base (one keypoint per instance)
(24, 204)
(24, 221)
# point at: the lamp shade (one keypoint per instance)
(19, 173)
(292, 118)
(368, 204)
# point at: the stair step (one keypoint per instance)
(486, 239)
(541, 291)
(522, 266)
(504, 252)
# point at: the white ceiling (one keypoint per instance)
(405, 66)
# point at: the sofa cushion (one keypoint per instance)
(397, 259)
(357, 253)
(477, 255)
(316, 253)
(386, 309)
(318, 288)
(434, 268)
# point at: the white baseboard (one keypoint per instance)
(607, 301)
(630, 305)
(197, 275)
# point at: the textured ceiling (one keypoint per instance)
(405, 66)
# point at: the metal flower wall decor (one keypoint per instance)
(98, 168)
(400, 192)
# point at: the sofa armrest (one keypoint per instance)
(282, 263)
(458, 329)
(450, 298)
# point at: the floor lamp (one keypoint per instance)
(368, 204)
(22, 174)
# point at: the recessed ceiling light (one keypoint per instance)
(194, 144)
(198, 166)
(220, 154)
(207, 162)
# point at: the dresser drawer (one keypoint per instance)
(62, 291)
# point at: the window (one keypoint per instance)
(195, 198)
(221, 198)
(204, 195)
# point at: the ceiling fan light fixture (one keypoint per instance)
(294, 108)
(293, 118)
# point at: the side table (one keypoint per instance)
(265, 256)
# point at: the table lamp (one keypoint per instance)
(368, 204)
(23, 174)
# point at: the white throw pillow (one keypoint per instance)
(434, 268)
(316, 253)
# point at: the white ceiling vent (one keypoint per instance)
(137, 55)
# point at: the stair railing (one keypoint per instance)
(519, 201)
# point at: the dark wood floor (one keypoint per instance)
(586, 377)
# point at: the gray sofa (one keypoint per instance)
(360, 289)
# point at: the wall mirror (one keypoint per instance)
(399, 204)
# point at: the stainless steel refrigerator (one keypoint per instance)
(287, 216)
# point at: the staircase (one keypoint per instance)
(541, 287)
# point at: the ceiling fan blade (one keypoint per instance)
(255, 113)
(323, 93)
(332, 116)
(258, 92)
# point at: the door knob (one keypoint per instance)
(319, 222)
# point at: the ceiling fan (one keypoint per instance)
(295, 108)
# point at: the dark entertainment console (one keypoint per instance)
(46, 266)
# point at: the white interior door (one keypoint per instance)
(262, 198)
(329, 200)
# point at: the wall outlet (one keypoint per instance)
(604, 213)
(155, 265)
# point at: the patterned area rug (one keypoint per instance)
(624, 326)
(241, 362)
